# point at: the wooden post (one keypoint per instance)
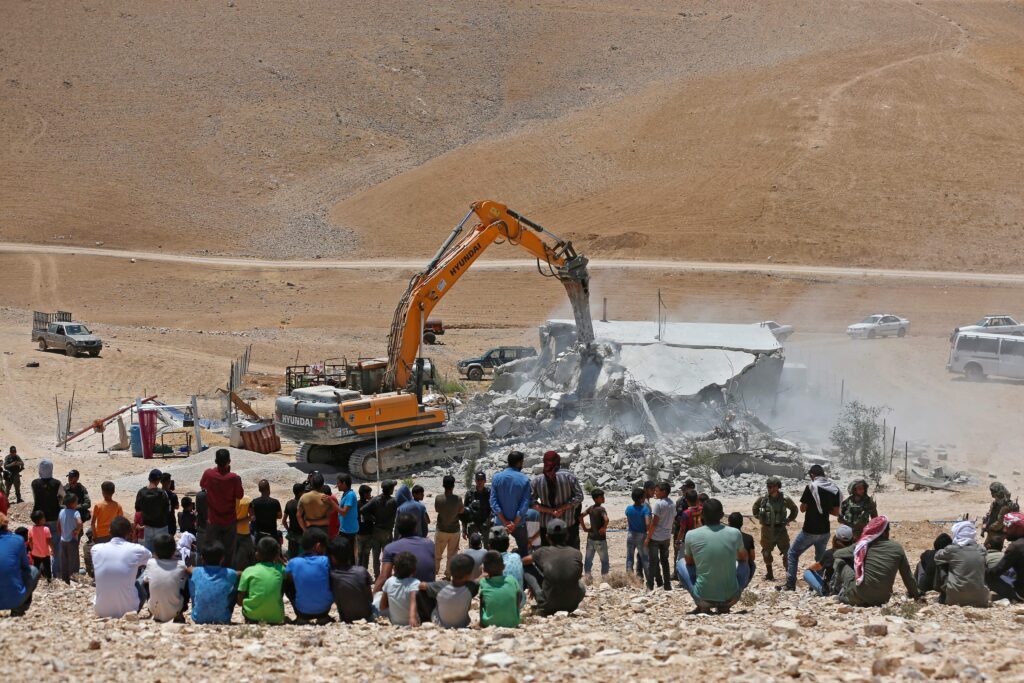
(906, 464)
(604, 313)
(892, 450)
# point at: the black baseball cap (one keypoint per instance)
(155, 474)
(817, 470)
(73, 473)
(480, 476)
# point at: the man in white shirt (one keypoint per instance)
(117, 565)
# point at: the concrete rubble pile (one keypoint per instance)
(616, 430)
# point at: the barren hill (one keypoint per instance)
(873, 133)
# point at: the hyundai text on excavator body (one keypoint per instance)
(377, 420)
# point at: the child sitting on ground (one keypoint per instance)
(533, 529)
(166, 581)
(39, 544)
(499, 594)
(397, 600)
(212, 588)
(260, 590)
(513, 561)
(447, 603)
(350, 583)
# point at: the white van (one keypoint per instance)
(978, 355)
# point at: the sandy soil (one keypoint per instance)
(881, 133)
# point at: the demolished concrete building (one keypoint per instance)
(642, 402)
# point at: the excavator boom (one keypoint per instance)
(496, 223)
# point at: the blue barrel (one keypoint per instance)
(135, 437)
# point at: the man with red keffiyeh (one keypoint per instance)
(1006, 579)
(867, 571)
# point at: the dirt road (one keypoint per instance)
(509, 264)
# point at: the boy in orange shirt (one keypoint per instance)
(103, 513)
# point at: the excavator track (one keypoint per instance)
(405, 454)
(399, 455)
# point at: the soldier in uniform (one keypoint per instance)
(1002, 505)
(13, 464)
(477, 516)
(770, 509)
(858, 509)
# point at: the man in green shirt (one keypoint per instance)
(866, 572)
(716, 552)
(260, 590)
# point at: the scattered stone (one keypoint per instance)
(786, 627)
(501, 659)
(807, 620)
(876, 629)
(926, 645)
(502, 426)
(756, 639)
(579, 652)
(886, 665)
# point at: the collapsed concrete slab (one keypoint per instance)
(629, 407)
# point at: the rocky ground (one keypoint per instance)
(620, 633)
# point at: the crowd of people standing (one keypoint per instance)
(364, 555)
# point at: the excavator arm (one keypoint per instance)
(497, 223)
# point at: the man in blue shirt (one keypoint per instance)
(349, 513)
(17, 578)
(409, 503)
(510, 499)
(307, 579)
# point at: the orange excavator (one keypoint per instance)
(376, 423)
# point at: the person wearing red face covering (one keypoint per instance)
(558, 495)
(869, 568)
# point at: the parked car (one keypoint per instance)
(992, 324)
(432, 330)
(879, 325)
(978, 355)
(475, 368)
(781, 332)
(71, 337)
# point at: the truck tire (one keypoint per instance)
(42, 345)
(70, 351)
(974, 372)
(430, 338)
(93, 353)
(475, 374)
(902, 333)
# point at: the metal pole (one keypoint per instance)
(604, 314)
(906, 465)
(842, 393)
(195, 423)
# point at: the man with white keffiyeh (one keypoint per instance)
(866, 572)
(820, 500)
(961, 569)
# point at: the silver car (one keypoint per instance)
(879, 325)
